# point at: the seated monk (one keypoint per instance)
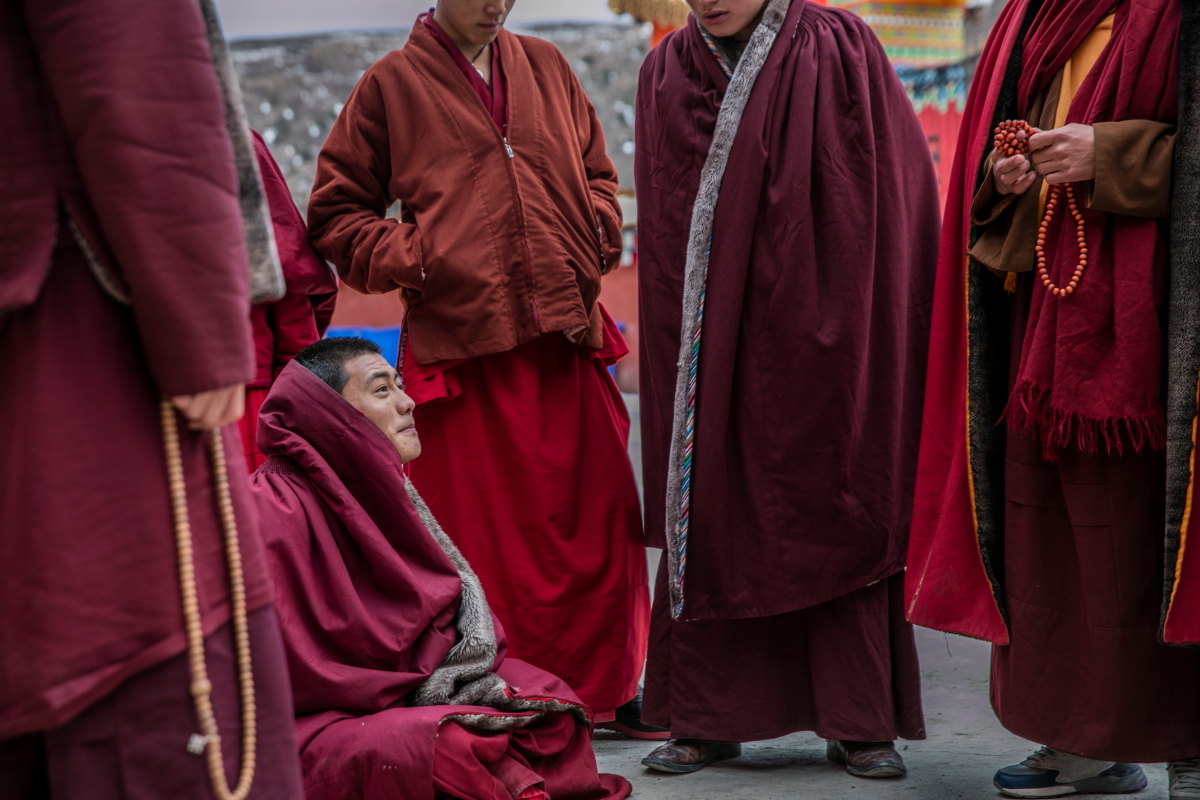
(401, 686)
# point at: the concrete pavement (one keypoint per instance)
(966, 745)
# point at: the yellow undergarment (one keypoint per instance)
(1075, 70)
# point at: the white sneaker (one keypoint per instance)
(1185, 778)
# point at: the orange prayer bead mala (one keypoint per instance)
(1006, 142)
(201, 688)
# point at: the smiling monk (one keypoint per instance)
(401, 684)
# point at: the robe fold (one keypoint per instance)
(370, 605)
(288, 325)
(116, 750)
(812, 248)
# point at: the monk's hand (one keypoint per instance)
(1013, 175)
(1066, 154)
(214, 409)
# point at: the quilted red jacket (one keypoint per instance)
(500, 240)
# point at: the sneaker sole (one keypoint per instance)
(720, 754)
(632, 733)
(1089, 786)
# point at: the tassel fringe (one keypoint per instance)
(1029, 408)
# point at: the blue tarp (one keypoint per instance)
(388, 339)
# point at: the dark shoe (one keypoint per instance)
(629, 722)
(690, 755)
(1185, 778)
(1051, 773)
(867, 759)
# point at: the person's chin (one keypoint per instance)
(487, 33)
(720, 25)
(409, 448)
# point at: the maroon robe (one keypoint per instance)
(89, 594)
(124, 275)
(368, 603)
(809, 382)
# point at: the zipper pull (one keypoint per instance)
(508, 148)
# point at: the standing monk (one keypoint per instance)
(781, 418)
(509, 218)
(1044, 534)
(125, 277)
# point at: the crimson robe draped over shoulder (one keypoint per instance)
(368, 604)
(955, 576)
(819, 286)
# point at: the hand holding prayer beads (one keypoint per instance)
(1007, 142)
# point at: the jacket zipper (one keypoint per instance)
(600, 240)
(537, 318)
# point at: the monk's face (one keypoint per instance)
(374, 389)
(729, 18)
(472, 23)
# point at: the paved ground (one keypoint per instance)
(965, 746)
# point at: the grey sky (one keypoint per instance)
(275, 17)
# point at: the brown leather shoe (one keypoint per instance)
(690, 755)
(867, 759)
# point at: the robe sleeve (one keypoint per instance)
(1133, 177)
(346, 213)
(600, 170)
(144, 116)
(1007, 226)
(1133, 168)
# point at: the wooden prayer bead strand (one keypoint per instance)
(241, 631)
(201, 687)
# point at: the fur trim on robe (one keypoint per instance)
(266, 272)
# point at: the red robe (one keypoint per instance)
(955, 518)
(557, 429)
(369, 604)
(285, 327)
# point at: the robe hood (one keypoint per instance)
(390, 593)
